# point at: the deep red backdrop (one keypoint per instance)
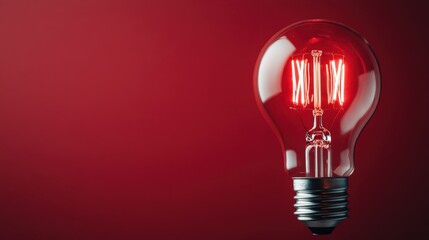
(137, 120)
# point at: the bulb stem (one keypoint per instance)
(318, 120)
(316, 78)
(318, 149)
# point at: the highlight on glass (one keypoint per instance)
(318, 82)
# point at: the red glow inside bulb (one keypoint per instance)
(318, 71)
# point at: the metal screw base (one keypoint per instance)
(321, 203)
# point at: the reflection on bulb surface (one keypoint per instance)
(318, 83)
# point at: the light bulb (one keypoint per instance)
(317, 83)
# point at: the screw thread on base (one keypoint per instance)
(321, 203)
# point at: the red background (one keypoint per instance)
(137, 120)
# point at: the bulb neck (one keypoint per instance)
(321, 203)
(318, 135)
(317, 114)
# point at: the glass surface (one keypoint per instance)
(319, 83)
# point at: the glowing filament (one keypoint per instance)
(300, 84)
(335, 82)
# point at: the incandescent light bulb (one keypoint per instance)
(318, 83)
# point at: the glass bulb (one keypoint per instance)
(318, 83)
